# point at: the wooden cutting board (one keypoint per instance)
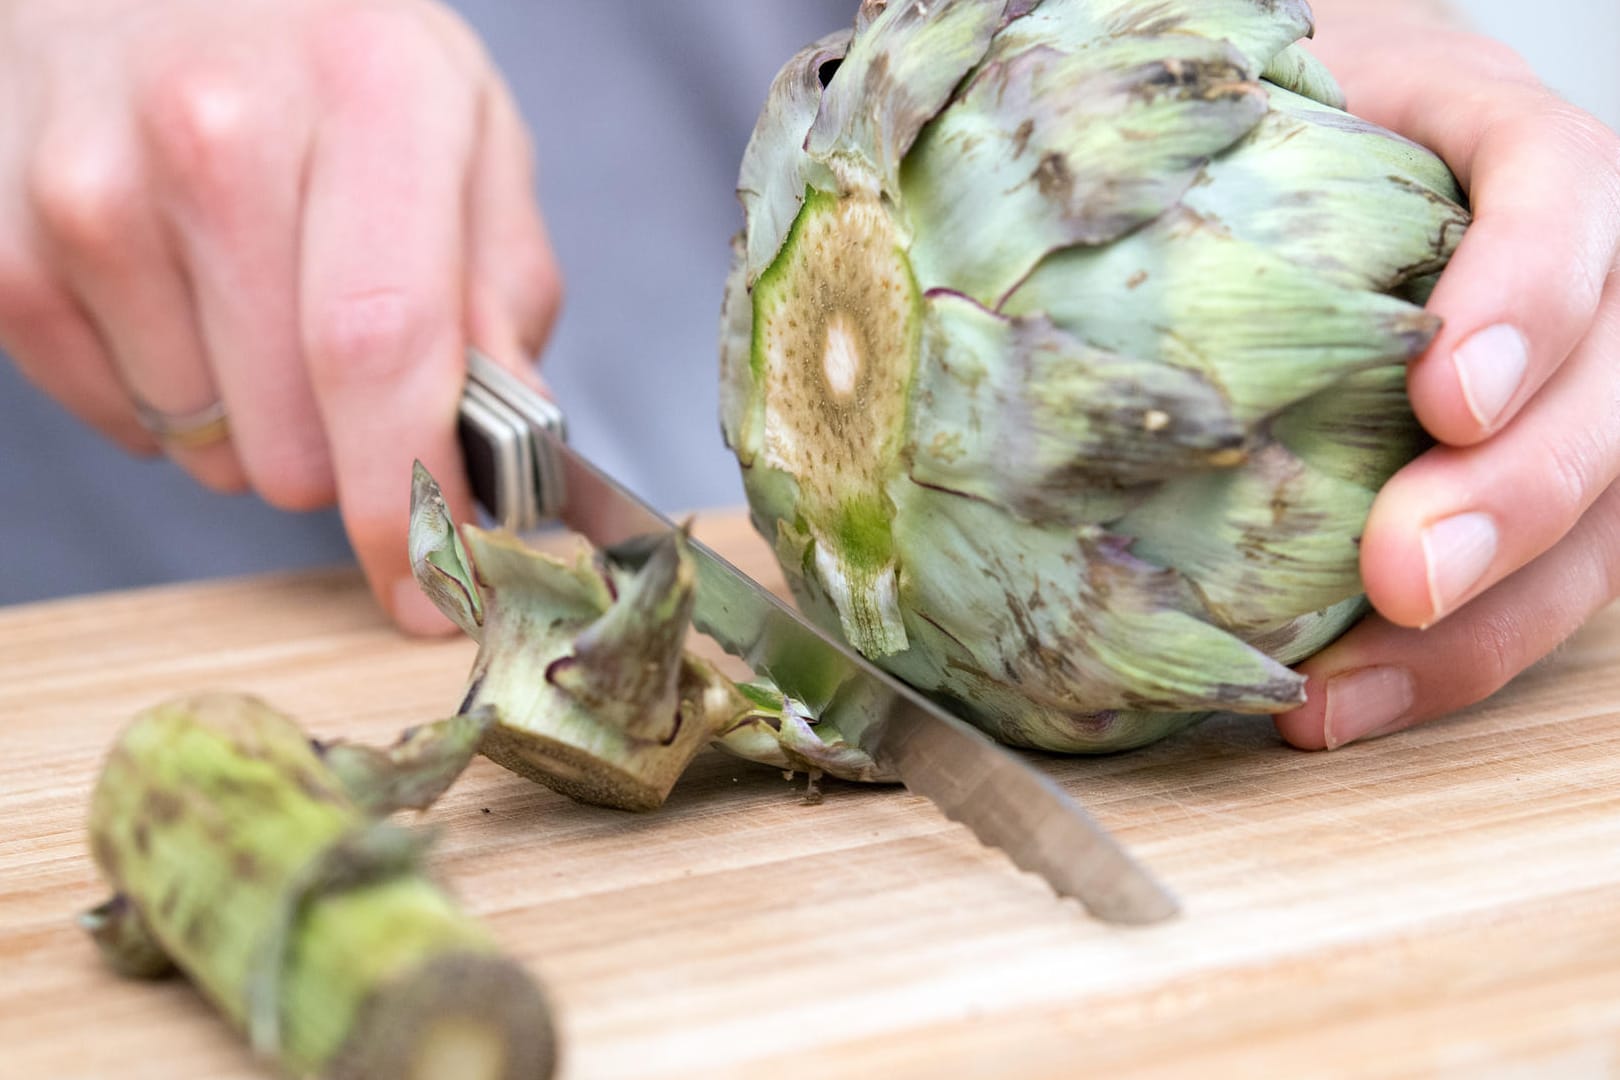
(1443, 902)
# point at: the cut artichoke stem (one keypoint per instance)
(239, 856)
(582, 681)
(834, 350)
(582, 703)
(1070, 386)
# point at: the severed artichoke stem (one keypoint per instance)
(582, 667)
(254, 861)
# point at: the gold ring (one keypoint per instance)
(206, 426)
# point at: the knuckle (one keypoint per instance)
(1592, 148)
(1586, 155)
(1497, 644)
(84, 195)
(367, 338)
(202, 122)
(27, 295)
(453, 30)
(1585, 133)
(1572, 460)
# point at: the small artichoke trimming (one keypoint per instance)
(583, 672)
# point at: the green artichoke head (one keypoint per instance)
(1064, 351)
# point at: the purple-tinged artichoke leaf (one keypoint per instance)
(1300, 184)
(415, 771)
(774, 729)
(903, 62)
(630, 657)
(438, 560)
(775, 168)
(1258, 29)
(1027, 416)
(1044, 150)
(1187, 290)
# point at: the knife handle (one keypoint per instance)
(506, 429)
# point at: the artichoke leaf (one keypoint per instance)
(438, 559)
(1266, 542)
(1044, 149)
(411, 774)
(1257, 29)
(906, 58)
(775, 169)
(1296, 69)
(741, 409)
(1022, 414)
(1302, 186)
(1361, 430)
(1187, 291)
(1069, 616)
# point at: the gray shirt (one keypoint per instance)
(640, 110)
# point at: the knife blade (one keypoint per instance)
(525, 474)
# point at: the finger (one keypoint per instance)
(228, 158)
(43, 328)
(1523, 287)
(1459, 519)
(1380, 678)
(381, 283)
(99, 228)
(53, 344)
(514, 287)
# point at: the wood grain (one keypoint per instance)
(1445, 902)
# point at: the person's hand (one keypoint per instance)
(302, 209)
(1503, 539)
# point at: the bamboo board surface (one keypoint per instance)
(1445, 902)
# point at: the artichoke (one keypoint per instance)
(1063, 351)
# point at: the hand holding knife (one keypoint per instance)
(525, 475)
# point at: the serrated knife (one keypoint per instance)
(525, 475)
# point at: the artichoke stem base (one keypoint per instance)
(633, 780)
(467, 1017)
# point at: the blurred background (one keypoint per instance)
(641, 111)
(1574, 44)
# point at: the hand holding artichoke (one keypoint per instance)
(1506, 537)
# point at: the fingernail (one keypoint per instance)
(1365, 702)
(1490, 366)
(1456, 553)
(415, 613)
